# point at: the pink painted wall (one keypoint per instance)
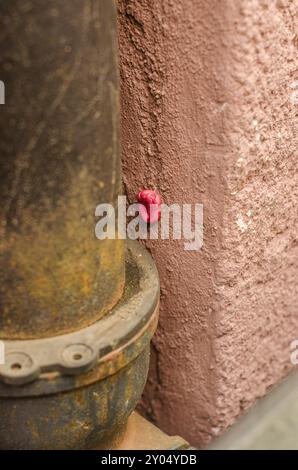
(207, 117)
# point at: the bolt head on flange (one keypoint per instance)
(77, 390)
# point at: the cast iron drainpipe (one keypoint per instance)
(76, 314)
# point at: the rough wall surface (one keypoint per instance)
(207, 117)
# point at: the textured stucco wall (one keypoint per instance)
(207, 118)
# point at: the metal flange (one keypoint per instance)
(45, 366)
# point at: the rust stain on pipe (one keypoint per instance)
(59, 158)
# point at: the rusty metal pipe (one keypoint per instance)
(59, 158)
(76, 314)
